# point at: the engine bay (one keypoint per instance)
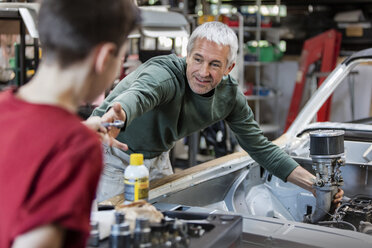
(346, 166)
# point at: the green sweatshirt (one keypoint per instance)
(161, 109)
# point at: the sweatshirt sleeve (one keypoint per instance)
(252, 140)
(140, 92)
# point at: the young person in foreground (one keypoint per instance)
(50, 162)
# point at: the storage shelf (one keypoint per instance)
(272, 94)
(262, 29)
(256, 79)
(297, 2)
(260, 97)
(267, 29)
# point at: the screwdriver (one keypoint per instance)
(116, 123)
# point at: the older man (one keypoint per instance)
(168, 98)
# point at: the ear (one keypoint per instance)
(103, 55)
(228, 70)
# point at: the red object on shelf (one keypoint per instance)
(325, 46)
(249, 89)
(266, 24)
(230, 22)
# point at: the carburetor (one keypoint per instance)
(327, 154)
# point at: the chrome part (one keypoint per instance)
(116, 123)
(326, 152)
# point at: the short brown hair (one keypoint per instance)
(69, 29)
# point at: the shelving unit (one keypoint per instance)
(273, 126)
(20, 18)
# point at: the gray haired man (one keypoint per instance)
(168, 98)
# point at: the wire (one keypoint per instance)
(341, 206)
(336, 211)
(326, 223)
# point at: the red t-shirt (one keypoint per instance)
(50, 165)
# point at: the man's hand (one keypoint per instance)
(336, 202)
(305, 179)
(114, 113)
(338, 197)
(94, 123)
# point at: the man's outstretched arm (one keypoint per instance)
(108, 135)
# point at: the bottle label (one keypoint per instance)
(136, 189)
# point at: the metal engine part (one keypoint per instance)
(355, 215)
(327, 154)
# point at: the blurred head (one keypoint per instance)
(70, 29)
(211, 54)
(218, 33)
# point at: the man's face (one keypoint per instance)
(206, 65)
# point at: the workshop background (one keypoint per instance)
(275, 38)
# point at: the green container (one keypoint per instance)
(267, 53)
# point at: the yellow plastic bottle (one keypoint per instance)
(136, 179)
